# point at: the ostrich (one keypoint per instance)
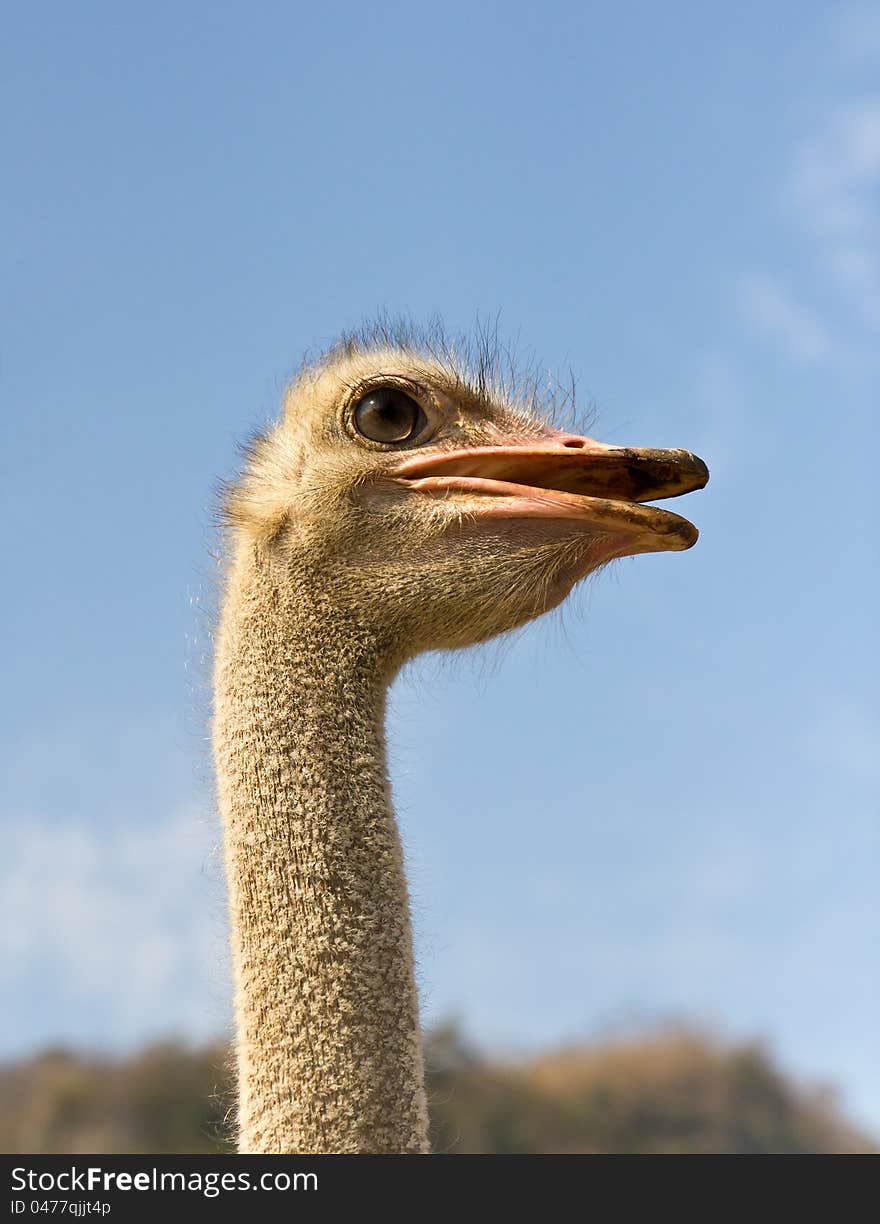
(409, 499)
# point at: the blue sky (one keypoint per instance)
(662, 803)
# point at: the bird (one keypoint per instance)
(412, 496)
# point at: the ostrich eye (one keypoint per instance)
(388, 415)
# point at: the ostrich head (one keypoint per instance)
(432, 503)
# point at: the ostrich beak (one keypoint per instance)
(565, 476)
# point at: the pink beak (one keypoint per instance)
(566, 476)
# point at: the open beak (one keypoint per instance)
(564, 476)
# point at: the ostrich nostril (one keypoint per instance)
(574, 443)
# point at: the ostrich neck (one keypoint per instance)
(328, 1050)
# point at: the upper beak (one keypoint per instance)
(572, 464)
(564, 476)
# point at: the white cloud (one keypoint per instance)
(836, 171)
(857, 31)
(113, 934)
(834, 187)
(856, 270)
(774, 313)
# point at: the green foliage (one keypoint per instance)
(676, 1091)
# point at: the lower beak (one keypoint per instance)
(569, 477)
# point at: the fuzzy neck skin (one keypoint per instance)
(328, 1047)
